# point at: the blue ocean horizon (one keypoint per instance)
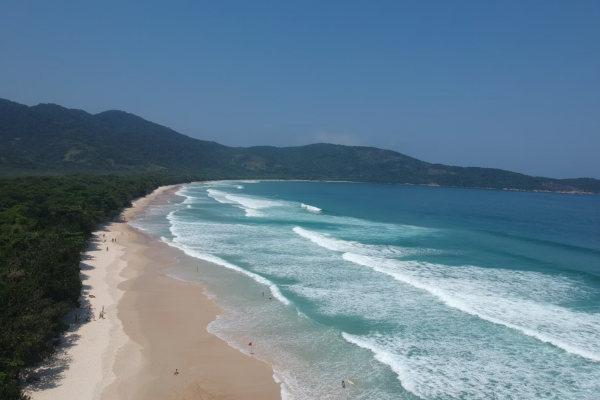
(409, 292)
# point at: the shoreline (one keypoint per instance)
(153, 324)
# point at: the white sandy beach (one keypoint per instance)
(103, 359)
(83, 364)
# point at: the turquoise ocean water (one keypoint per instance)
(409, 292)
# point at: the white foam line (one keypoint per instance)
(223, 263)
(220, 196)
(311, 208)
(344, 246)
(250, 205)
(454, 303)
(183, 193)
(383, 357)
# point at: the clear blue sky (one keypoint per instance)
(506, 84)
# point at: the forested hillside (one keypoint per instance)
(44, 225)
(49, 139)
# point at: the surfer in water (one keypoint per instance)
(343, 385)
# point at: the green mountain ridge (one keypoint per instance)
(48, 138)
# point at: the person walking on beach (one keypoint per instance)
(176, 372)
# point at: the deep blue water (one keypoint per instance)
(409, 292)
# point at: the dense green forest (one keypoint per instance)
(44, 225)
(50, 139)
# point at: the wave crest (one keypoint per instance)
(345, 246)
(492, 295)
(250, 205)
(311, 208)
